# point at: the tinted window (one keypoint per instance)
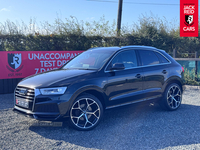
(162, 58)
(148, 57)
(128, 58)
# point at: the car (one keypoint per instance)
(98, 79)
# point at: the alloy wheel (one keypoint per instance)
(174, 97)
(85, 113)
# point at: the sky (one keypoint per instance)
(87, 10)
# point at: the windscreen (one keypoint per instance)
(91, 59)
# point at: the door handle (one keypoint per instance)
(138, 76)
(164, 71)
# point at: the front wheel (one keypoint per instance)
(172, 97)
(86, 112)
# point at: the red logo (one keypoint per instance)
(189, 18)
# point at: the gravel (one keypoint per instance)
(130, 127)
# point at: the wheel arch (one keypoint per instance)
(173, 79)
(97, 94)
(93, 90)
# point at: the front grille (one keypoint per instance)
(26, 94)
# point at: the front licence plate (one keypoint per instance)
(21, 102)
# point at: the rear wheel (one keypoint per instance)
(172, 97)
(86, 112)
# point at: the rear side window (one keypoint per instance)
(162, 58)
(148, 57)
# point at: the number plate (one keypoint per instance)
(22, 102)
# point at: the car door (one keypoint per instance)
(125, 85)
(155, 68)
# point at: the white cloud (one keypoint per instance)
(4, 9)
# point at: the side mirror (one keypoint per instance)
(117, 66)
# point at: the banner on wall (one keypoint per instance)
(189, 18)
(20, 64)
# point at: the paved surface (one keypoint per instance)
(130, 127)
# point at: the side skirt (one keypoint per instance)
(142, 100)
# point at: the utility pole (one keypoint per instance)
(119, 17)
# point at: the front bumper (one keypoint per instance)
(37, 115)
(40, 107)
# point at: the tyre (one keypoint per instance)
(172, 97)
(86, 112)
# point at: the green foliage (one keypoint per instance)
(72, 34)
(190, 77)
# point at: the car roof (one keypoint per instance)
(106, 48)
(138, 47)
(115, 49)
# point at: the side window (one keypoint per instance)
(128, 58)
(148, 57)
(162, 58)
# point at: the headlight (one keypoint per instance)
(53, 91)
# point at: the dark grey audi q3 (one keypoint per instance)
(99, 79)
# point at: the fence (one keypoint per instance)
(190, 64)
(8, 85)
